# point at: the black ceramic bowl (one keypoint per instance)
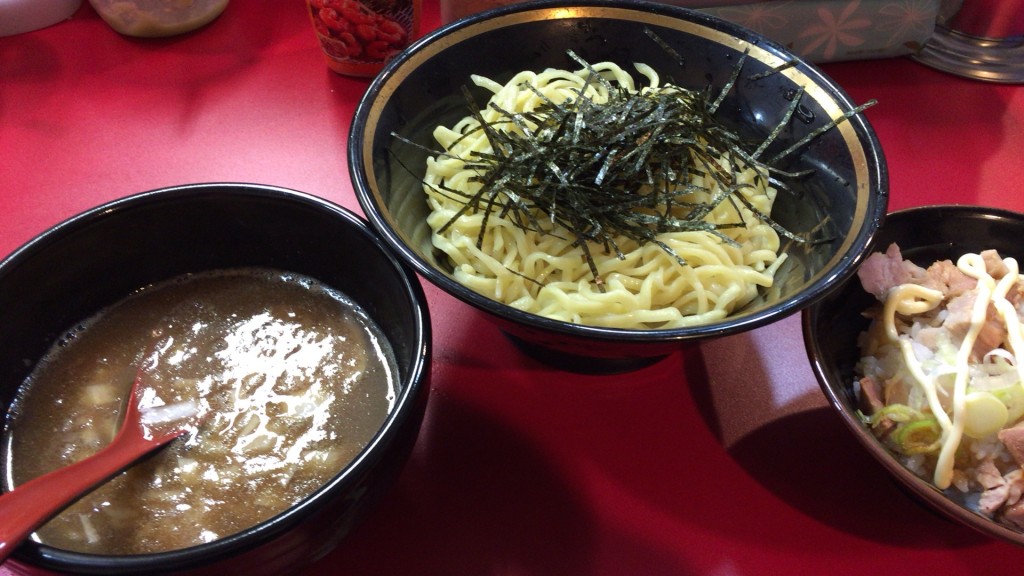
(93, 260)
(832, 325)
(843, 202)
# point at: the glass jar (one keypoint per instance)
(156, 18)
(359, 37)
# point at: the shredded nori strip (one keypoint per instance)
(620, 168)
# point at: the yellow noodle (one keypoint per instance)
(544, 274)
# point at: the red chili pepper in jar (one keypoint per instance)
(359, 36)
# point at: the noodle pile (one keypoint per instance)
(546, 272)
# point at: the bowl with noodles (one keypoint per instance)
(936, 402)
(611, 181)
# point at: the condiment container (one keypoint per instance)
(157, 18)
(17, 16)
(359, 37)
(991, 19)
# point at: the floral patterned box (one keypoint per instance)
(832, 30)
(817, 30)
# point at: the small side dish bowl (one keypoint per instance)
(832, 326)
(87, 263)
(840, 205)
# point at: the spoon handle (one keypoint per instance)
(31, 504)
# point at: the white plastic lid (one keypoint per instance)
(17, 16)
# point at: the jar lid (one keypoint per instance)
(17, 16)
(157, 18)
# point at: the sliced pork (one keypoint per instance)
(881, 272)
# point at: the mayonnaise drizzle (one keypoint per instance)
(912, 299)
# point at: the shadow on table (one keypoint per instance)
(810, 461)
(197, 64)
(797, 448)
(475, 498)
(521, 469)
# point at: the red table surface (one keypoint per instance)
(723, 460)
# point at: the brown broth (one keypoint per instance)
(290, 379)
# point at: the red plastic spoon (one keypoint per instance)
(31, 504)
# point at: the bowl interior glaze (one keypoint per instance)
(89, 262)
(831, 328)
(839, 206)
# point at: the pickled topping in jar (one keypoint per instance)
(360, 36)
